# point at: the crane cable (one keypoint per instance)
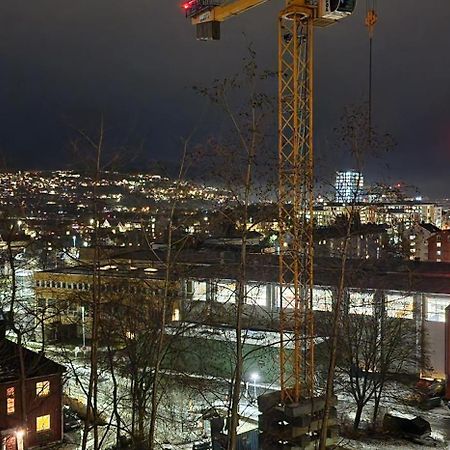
(370, 21)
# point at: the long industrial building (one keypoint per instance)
(203, 286)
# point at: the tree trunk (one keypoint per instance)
(357, 421)
(329, 390)
(91, 401)
(236, 387)
(376, 408)
(240, 301)
(168, 276)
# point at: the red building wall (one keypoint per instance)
(35, 407)
(439, 246)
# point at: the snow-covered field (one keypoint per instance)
(439, 419)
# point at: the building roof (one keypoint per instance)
(36, 364)
(336, 231)
(430, 227)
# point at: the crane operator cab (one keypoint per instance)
(336, 9)
(195, 7)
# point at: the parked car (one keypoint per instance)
(71, 420)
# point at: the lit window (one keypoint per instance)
(361, 303)
(438, 244)
(399, 306)
(436, 308)
(42, 388)
(176, 315)
(130, 335)
(199, 291)
(43, 423)
(10, 401)
(322, 299)
(438, 253)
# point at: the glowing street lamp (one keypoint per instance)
(20, 433)
(254, 377)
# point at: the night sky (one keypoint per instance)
(64, 62)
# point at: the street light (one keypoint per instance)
(254, 377)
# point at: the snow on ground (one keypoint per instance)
(439, 419)
(385, 445)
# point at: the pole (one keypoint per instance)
(447, 353)
(83, 327)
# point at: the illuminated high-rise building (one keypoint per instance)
(349, 186)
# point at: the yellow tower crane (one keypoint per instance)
(295, 155)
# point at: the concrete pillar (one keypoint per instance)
(447, 352)
(419, 320)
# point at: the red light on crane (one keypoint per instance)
(189, 4)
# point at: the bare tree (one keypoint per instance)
(243, 152)
(361, 141)
(369, 354)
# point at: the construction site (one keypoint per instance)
(230, 297)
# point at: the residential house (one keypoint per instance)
(30, 397)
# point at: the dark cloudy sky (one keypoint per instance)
(63, 62)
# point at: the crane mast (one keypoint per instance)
(296, 24)
(295, 164)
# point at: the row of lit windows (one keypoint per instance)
(103, 288)
(63, 285)
(397, 305)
